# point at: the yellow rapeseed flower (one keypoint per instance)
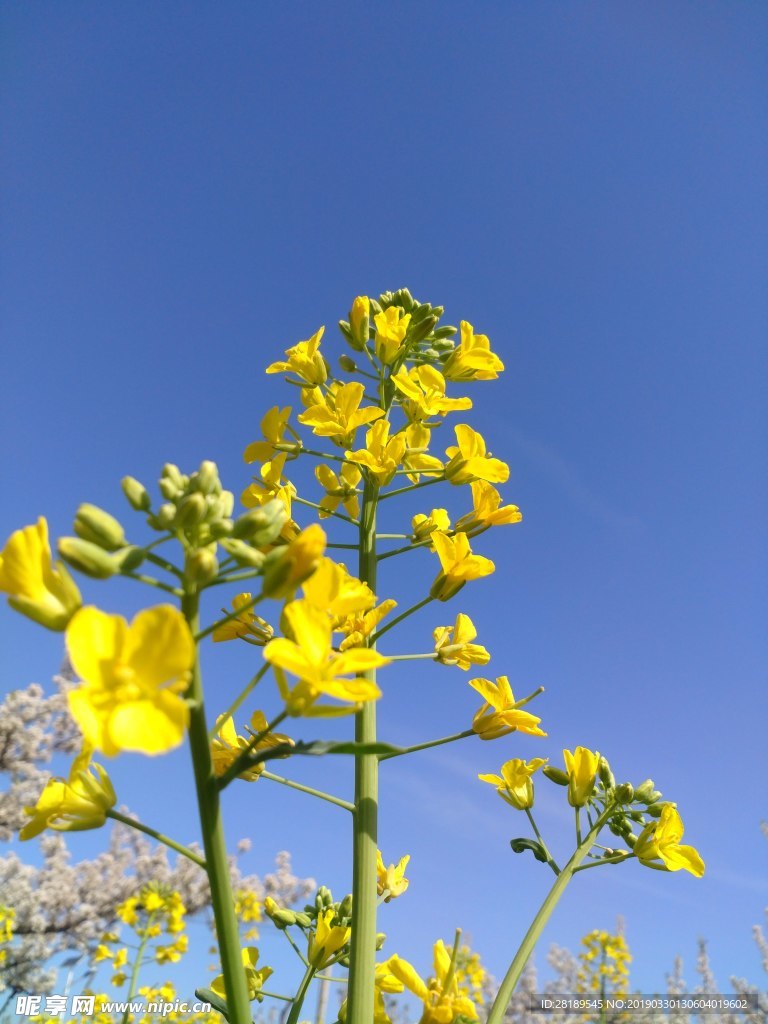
(338, 415)
(270, 486)
(501, 714)
(472, 359)
(319, 668)
(79, 803)
(273, 426)
(227, 746)
(359, 320)
(453, 644)
(327, 939)
(247, 626)
(581, 767)
(334, 590)
(660, 841)
(515, 784)
(287, 568)
(340, 489)
(254, 979)
(469, 460)
(441, 997)
(391, 879)
(305, 360)
(382, 454)
(134, 678)
(35, 586)
(458, 564)
(358, 626)
(416, 458)
(487, 511)
(391, 327)
(423, 390)
(425, 525)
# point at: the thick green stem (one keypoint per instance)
(298, 999)
(365, 820)
(516, 968)
(136, 968)
(178, 847)
(227, 930)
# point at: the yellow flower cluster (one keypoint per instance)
(604, 965)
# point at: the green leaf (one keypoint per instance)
(207, 995)
(520, 845)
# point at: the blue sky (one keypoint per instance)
(192, 188)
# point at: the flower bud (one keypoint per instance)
(324, 897)
(201, 566)
(190, 511)
(654, 810)
(99, 527)
(206, 480)
(166, 515)
(288, 566)
(445, 587)
(87, 558)
(261, 526)
(168, 489)
(173, 474)
(347, 364)
(130, 558)
(359, 321)
(625, 793)
(555, 775)
(645, 791)
(630, 839)
(243, 553)
(303, 919)
(381, 938)
(605, 773)
(420, 330)
(281, 917)
(345, 907)
(221, 528)
(136, 493)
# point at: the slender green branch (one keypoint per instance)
(298, 999)
(520, 959)
(412, 657)
(578, 826)
(430, 743)
(412, 487)
(308, 789)
(392, 536)
(404, 615)
(171, 843)
(550, 858)
(274, 995)
(137, 963)
(241, 610)
(295, 947)
(238, 578)
(242, 696)
(454, 956)
(326, 511)
(150, 581)
(346, 547)
(610, 860)
(163, 563)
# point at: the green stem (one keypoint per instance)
(245, 693)
(362, 949)
(550, 858)
(163, 563)
(222, 900)
(325, 511)
(406, 547)
(274, 995)
(136, 968)
(403, 615)
(152, 582)
(228, 618)
(235, 578)
(578, 826)
(178, 847)
(428, 744)
(308, 789)
(610, 860)
(298, 999)
(412, 487)
(511, 978)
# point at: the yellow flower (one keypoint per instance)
(173, 953)
(36, 587)
(227, 746)
(254, 979)
(319, 668)
(338, 415)
(286, 568)
(424, 525)
(660, 840)
(391, 879)
(441, 997)
(453, 644)
(134, 678)
(79, 803)
(247, 905)
(501, 714)
(327, 939)
(247, 626)
(304, 360)
(458, 564)
(391, 328)
(486, 512)
(332, 589)
(359, 320)
(340, 489)
(269, 487)
(515, 784)
(415, 457)
(358, 627)
(382, 454)
(469, 461)
(581, 766)
(273, 427)
(472, 359)
(423, 390)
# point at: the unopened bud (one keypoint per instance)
(420, 330)
(136, 493)
(324, 897)
(206, 480)
(99, 527)
(555, 775)
(190, 510)
(166, 515)
(625, 793)
(243, 553)
(654, 810)
(173, 473)
(87, 558)
(381, 938)
(168, 489)
(645, 791)
(201, 566)
(221, 528)
(261, 526)
(345, 907)
(359, 321)
(130, 558)
(605, 773)
(347, 364)
(303, 919)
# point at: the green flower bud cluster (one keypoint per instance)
(100, 548)
(196, 506)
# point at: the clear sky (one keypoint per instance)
(191, 188)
